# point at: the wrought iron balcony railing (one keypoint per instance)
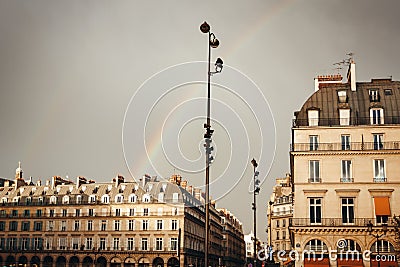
(335, 222)
(301, 147)
(346, 121)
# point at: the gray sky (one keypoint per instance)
(68, 70)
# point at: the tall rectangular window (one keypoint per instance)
(374, 95)
(345, 142)
(38, 226)
(90, 225)
(174, 225)
(346, 172)
(376, 115)
(159, 243)
(131, 212)
(131, 225)
(160, 224)
(379, 170)
(91, 212)
(116, 243)
(102, 243)
(174, 243)
(313, 142)
(145, 212)
(347, 210)
(131, 243)
(314, 171)
(344, 115)
(25, 226)
(103, 225)
(145, 224)
(313, 117)
(89, 243)
(144, 245)
(76, 226)
(117, 224)
(63, 226)
(13, 226)
(117, 212)
(378, 141)
(315, 209)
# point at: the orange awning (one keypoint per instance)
(382, 206)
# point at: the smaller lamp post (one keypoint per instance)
(377, 236)
(256, 190)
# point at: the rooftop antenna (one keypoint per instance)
(350, 59)
(339, 66)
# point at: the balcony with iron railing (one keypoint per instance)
(353, 121)
(353, 146)
(336, 222)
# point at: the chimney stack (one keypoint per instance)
(322, 80)
(351, 75)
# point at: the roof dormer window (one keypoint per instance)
(313, 117)
(374, 95)
(342, 96)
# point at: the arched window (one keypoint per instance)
(316, 245)
(78, 199)
(383, 246)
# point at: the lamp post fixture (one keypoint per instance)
(377, 236)
(256, 190)
(212, 43)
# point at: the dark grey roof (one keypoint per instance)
(326, 101)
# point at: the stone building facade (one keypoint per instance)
(112, 224)
(345, 166)
(279, 214)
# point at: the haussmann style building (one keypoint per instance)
(345, 166)
(113, 224)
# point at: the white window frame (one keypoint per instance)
(344, 117)
(376, 116)
(379, 175)
(314, 171)
(346, 170)
(313, 117)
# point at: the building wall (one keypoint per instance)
(54, 212)
(361, 186)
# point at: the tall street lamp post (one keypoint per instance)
(256, 190)
(212, 43)
(377, 236)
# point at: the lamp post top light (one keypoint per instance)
(254, 162)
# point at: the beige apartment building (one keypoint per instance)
(113, 224)
(279, 214)
(345, 165)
